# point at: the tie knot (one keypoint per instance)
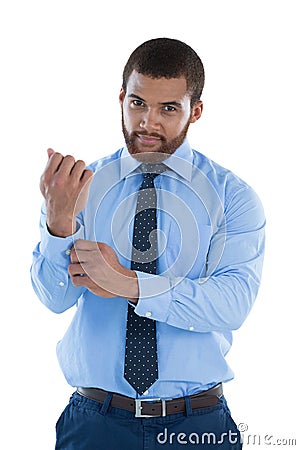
(152, 170)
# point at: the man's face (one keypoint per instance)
(156, 115)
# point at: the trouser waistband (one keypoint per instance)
(155, 407)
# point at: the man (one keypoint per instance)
(161, 251)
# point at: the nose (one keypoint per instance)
(150, 121)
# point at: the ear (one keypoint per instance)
(122, 96)
(196, 111)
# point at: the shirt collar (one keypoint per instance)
(181, 161)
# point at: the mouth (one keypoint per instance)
(148, 140)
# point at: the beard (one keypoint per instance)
(166, 149)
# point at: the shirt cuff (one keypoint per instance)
(57, 249)
(154, 296)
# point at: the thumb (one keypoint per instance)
(50, 152)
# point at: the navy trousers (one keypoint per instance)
(88, 425)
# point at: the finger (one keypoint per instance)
(79, 280)
(54, 162)
(87, 176)
(50, 152)
(66, 165)
(73, 256)
(78, 169)
(81, 256)
(84, 244)
(84, 280)
(76, 270)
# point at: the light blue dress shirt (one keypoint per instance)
(211, 244)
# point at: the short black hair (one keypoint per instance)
(167, 58)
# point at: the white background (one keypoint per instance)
(61, 65)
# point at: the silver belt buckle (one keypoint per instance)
(139, 407)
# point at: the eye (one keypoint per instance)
(169, 108)
(138, 103)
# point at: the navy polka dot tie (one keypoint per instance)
(141, 365)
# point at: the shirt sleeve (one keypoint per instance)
(222, 299)
(49, 270)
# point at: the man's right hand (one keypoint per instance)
(65, 185)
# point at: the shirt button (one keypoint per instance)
(148, 314)
(68, 252)
(61, 283)
(191, 328)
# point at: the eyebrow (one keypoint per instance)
(174, 103)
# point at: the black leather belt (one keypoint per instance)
(155, 407)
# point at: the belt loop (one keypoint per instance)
(188, 406)
(106, 404)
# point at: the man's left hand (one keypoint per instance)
(95, 265)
